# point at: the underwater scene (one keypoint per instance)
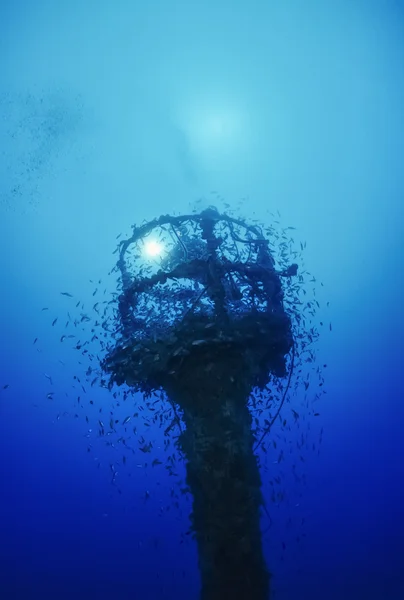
(202, 241)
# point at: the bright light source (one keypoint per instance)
(153, 248)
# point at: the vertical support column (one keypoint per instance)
(224, 480)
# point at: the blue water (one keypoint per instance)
(116, 113)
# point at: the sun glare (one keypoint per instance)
(153, 248)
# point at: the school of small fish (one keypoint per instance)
(91, 332)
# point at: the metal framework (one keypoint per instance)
(204, 321)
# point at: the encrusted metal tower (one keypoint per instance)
(201, 317)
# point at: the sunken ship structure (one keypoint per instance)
(201, 317)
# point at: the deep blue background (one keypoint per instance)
(116, 112)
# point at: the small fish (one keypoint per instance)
(49, 377)
(146, 447)
(45, 308)
(35, 340)
(54, 321)
(126, 420)
(66, 294)
(6, 386)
